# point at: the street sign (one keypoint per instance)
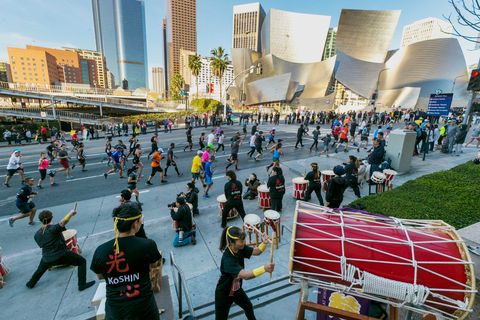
(439, 104)
(43, 114)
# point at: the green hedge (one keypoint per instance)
(205, 105)
(451, 196)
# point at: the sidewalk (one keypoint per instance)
(199, 263)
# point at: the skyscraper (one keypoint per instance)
(247, 24)
(330, 47)
(157, 80)
(120, 35)
(100, 79)
(5, 73)
(425, 29)
(184, 65)
(181, 31)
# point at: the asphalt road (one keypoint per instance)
(89, 184)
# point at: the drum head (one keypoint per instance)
(390, 172)
(299, 180)
(327, 172)
(263, 188)
(222, 198)
(70, 233)
(378, 177)
(271, 214)
(252, 219)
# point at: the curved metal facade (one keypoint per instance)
(366, 34)
(295, 37)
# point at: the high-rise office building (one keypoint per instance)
(181, 31)
(184, 69)
(425, 29)
(247, 25)
(5, 72)
(98, 80)
(158, 84)
(206, 79)
(121, 37)
(330, 48)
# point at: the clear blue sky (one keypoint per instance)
(59, 23)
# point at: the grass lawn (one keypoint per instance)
(452, 196)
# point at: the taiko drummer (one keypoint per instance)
(55, 251)
(229, 286)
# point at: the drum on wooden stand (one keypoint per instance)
(378, 180)
(251, 226)
(326, 176)
(264, 201)
(271, 220)
(300, 186)
(70, 237)
(232, 214)
(3, 270)
(389, 176)
(418, 265)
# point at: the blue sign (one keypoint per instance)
(439, 104)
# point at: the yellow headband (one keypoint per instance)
(115, 230)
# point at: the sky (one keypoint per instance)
(69, 23)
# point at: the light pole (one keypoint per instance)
(455, 80)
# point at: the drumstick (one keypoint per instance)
(271, 251)
(75, 207)
(260, 232)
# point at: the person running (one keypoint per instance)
(201, 141)
(171, 160)
(314, 179)
(336, 188)
(154, 145)
(24, 203)
(197, 168)
(233, 272)
(271, 138)
(233, 159)
(276, 186)
(124, 262)
(64, 162)
(208, 168)
(315, 135)
(343, 139)
(133, 143)
(189, 140)
(300, 132)
(326, 143)
(365, 132)
(233, 194)
(258, 145)
(108, 150)
(51, 151)
(211, 138)
(156, 167)
(137, 159)
(43, 164)
(14, 166)
(253, 138)
(118, 158)
(55, 252)
(277, 152)
(80, 156)
(220, 138)
(132, 181)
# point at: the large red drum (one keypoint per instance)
(421, 265)
(300, 186)
(264, 200)
(326, 176)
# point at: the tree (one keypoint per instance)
(195, 65)
(176, 85)
(219, 62)
(206, 105)
(467, 15)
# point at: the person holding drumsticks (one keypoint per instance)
(229, 286)
(314, 179)
(55, 251)
(233, 193)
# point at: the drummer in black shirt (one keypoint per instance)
(229, 286)
(55, 251)
(124, 262)
(314, 183)
(233, 193)
(276, 186)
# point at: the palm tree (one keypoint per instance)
(195, 65)
(219, 62)
(176, 85)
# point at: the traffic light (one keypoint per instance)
(474, 83)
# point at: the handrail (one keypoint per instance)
(180, 285)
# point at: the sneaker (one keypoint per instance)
(7, 185)
(29, 285)
(105, 175)
(31, 223)
(149, 183)
(86, 285)
(163, 181)
(53, 184)
(180, 174)
(73, 166)
(10, 222)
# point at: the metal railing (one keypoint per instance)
(180, 286)
(43, 113)
(35, 87)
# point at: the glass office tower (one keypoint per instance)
(120, 35)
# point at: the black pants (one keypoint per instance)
(353, 183)
(220, 145)
(251, 152)
(277, 204)
(314, 144)
(223, 302)
(69, 259)
(335, 204)
(318, 191)
(299, 140)
(229, 205)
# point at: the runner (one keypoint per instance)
(201, 141)
(80, 156)
(132, 181)
(271, 138)
(315, 135)
(277, 152)
(24, 203)
(156, 166)
(108, 150)
(64, 162)
(220, 138)
(171, 160)
(118, 162)
(133, 142)
(252, 144)
(137, 156)
(197, 168)
(208, 175)
(43, 169)
(211, 138)
(234, 148)
(154, 142)
(51, 150)
(14, 166)
(343, 139)
(189, 139)
(258, 145)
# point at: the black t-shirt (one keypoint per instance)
(23, 193)
(52, 242)
(233, 190)
(276, 186)
(62, 154)
(126, 273)
(170, 155)
(183, 216)
(231, 266)
(314, 181)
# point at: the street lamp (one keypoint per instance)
(455, 81)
